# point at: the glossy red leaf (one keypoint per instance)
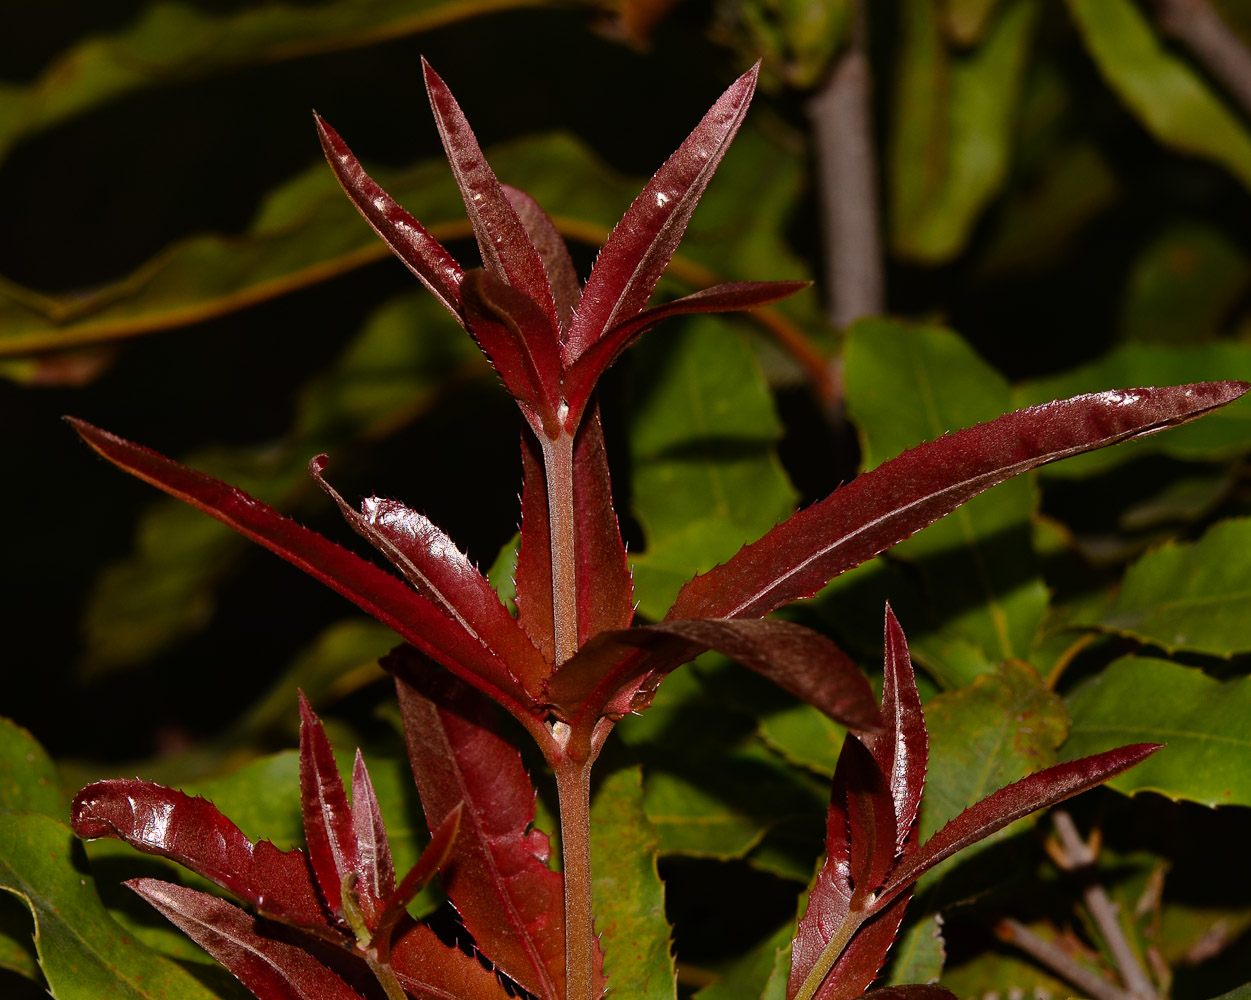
(441, 573)
(605, 596)
(870, 820)
(502, 238)
(583, 374)
(421, 253)
(374, 866)
(902, 748)
(328, 829)
(496, 873)
(1037, 791)
(378, 593)
(161, 821)
(900, 497)
(863, 958)
(562, 277)
(644, 241)
(432, 858)
(430, 970)
(522, 344)
(272, 968)
(618, 672)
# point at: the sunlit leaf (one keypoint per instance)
(629, 895)
(83, 953)
(1189, 596)
(1202, 721)
(1160, 88)
(952, 127)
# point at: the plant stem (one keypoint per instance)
(842, 122)
(1079, 855)
(1058, 961)
(573, 788)
(558, 465)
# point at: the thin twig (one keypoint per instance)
(1077, 855)
(1058, 961)
(842, 122)
(1197, 25)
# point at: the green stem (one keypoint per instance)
(573, 787)
(558, 465)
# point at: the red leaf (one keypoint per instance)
(605, 592)
(442, 574)
(496, 874)
(432, 858)
(900, 497)
(584, 373)
(863, 958)
(412, 616)
(911, 991)
(561, 275)
(643, 242)
(430, 970)
(421, 253)
(328, 828)
(502, 239)
(618, 671)
(870, 820)
(190, 831)
(522, 344)
(902, 749)
(993, 813)
(270, 967)
(373, 852)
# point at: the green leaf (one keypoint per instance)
(392, 371)
(1203, 722)
(29, 780)
(1217, 436)
(952, 127)
(754, 975)
(804, 735)
(1002, 970)
(1169, 98)
(906, 385)
(706, 479)
(985, 736)
(966, 20)
(919, 953)
(84, 953)
(1183, 286)
(1191, 596)
(171, 43)
(629, 896)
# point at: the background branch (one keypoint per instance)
(1197, 26)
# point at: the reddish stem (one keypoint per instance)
(558, 466)
(573, 787)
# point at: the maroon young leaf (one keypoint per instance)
(522, 344)
(870, 820)
(496, 873)
(421, 253)
(911, 991)
(605, 596)
(328, 828)
(643, 242)
(441, 573)
(1037, 791)
(270, 967)
(190, 831)
(617, 672)
(430, 970)
(562, 277)
(900, 497)
(432, 858)
(411, 615)
(583, 374)
(502, 239)
(902, 748)
(373, 852)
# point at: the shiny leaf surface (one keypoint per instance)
(899, 497)
(328, 828)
